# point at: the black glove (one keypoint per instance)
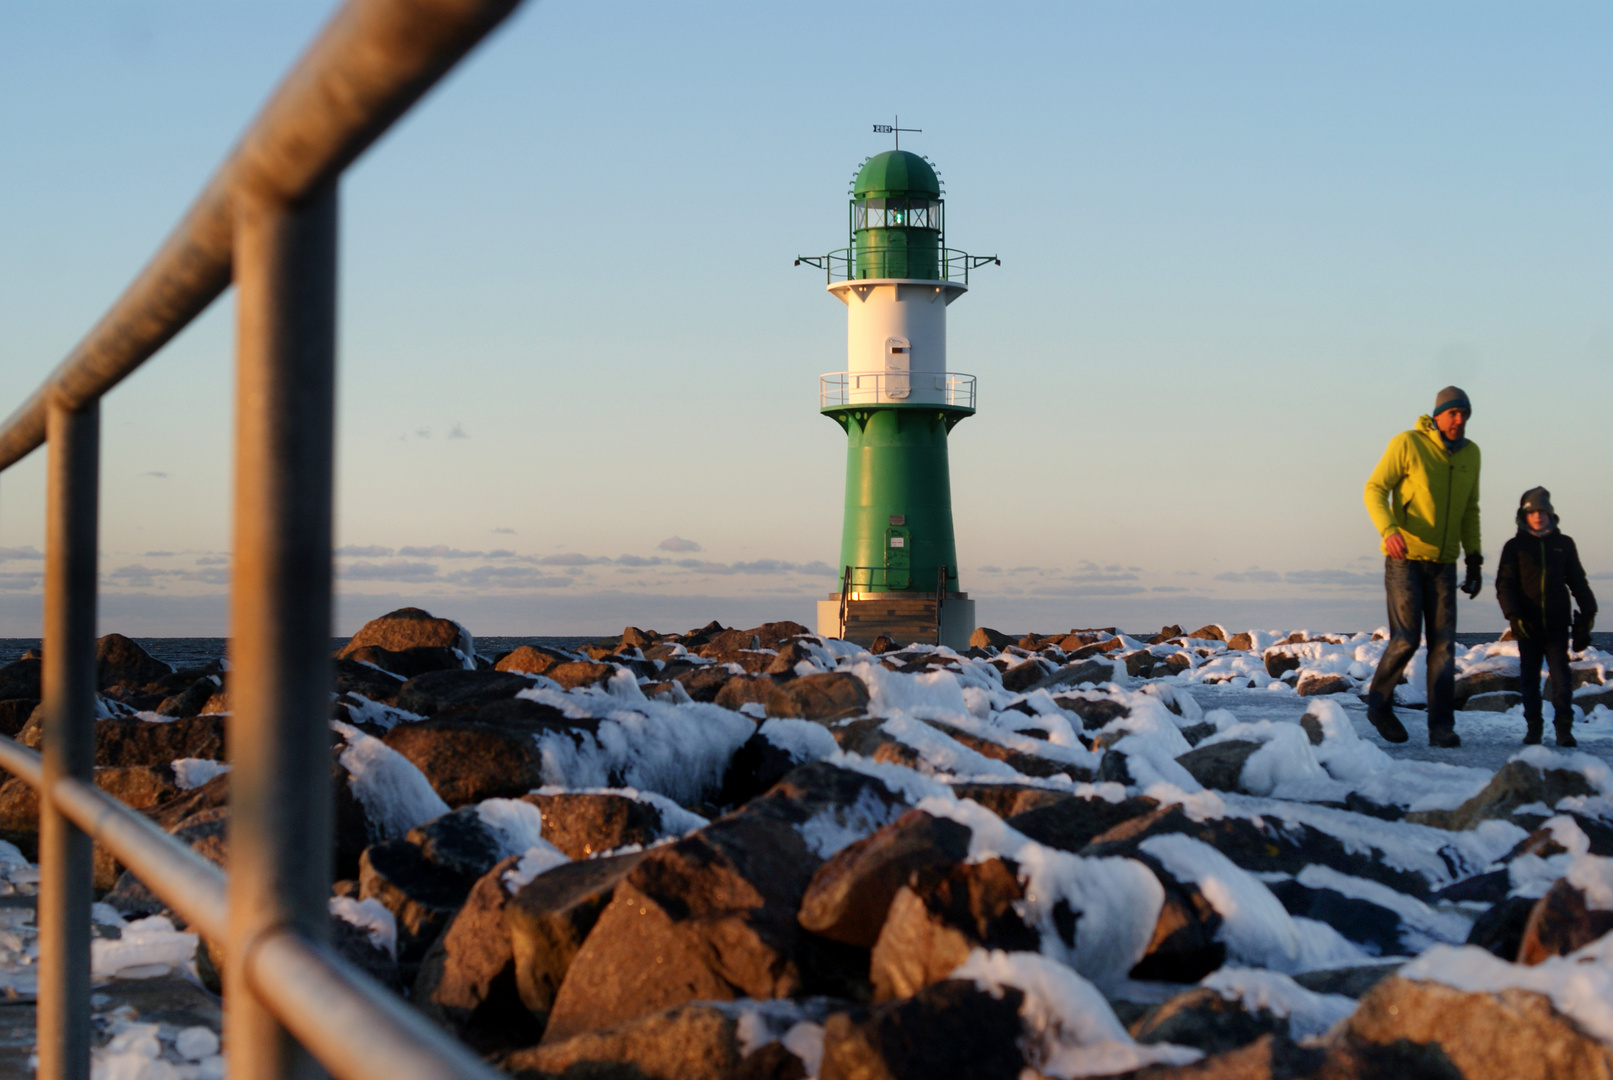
(1475, 577)
(1520, 630)
(1581, 638)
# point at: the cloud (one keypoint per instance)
(677, 543)
(507, 532)
(991, 569)
(1169, 589)
(159, 555)
(136, 576)
(1087, 590)
(440, 551)
(22, 581)
(508, 577)
(1331, 577)
(570, 558)
(368, 551)
(1100, 575)
(422, 433)
(639, 560)
(1250, 576)
(158, 475)
(457, 432)
(20, 553)
(395, 570)
(213, 560)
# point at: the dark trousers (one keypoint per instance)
(1552, 647)
(1422, 595)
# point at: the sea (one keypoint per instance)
(184, 652)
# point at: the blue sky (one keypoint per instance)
(1243, 245)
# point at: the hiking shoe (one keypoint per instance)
(1565, 736)
(1532, 733)
(1445, 738)
(1388, 724)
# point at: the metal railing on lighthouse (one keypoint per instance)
(267, 221)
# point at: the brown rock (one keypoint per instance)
(788, 656)
(1560, 923)
(1183, 948)
(422, 897)
(711, 917)
(984, 637)
(1075, 673)
(1095, 712)
(1165, 634)
(1219, 765)
(633, 637)
(950, 1030)
(14, 713)
(1313, 684)
(549, 918)
(408, 628)
(20, 679)
(147, 742)
(774, 634)
(850, 894)
(532, 659)
(1280, 661)
(935, 921)
(1203, 1019)
(884, 643)
(404, 663)
(685, 1042)
(1515, 784)
(1021, 762)
(353, 677)
(1070, 822)
(467, 979)
(437, 691)
(584, 825)
(1511, 1035)
(1022, 677)
(832, 695)
(1240, 642)
(575, 673)
(480, 754)
(121, 662)
(1484, 682)
(703, 683)
(1211, 632)
(1007, 800)
(746, 690)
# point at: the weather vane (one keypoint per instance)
(894, 129)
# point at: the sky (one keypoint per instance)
(1243, 245)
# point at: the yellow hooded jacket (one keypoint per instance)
(1427, 494)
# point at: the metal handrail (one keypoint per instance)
(878, 577)
(949, 389)
(267, 222)
(841, 264)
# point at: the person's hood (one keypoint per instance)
(1426, 425)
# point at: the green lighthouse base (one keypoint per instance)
(905, 618)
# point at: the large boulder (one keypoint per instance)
(409, 628)
(950, 1030)
(437, 691)
(119, 661)
(132, 741)
(550, 917)
(1071, 822)
(850, 894)
(585, 824)
(404, 663)
(20, 679)
(710, 917)
(830, 695)
(1515, 784)
(531, 659)
(1560, 922)
(480, 753)
(1219, 765)
(685, 1042)
(1206, 1020)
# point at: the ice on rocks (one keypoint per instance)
(1309, 1014)
(395, 795)
(148, 948)
(370, 916)
(193, 772)
(803, 740)
(1070, 1030)
(1422, 925)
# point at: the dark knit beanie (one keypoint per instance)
(1536, 499)
(1452, 397)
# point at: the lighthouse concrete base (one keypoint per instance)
(906, 618)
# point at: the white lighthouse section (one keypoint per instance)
(896, 345)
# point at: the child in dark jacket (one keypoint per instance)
(1539, 567)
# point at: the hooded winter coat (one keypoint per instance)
(1428, 494)
(1535, 576)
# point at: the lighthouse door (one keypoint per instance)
(898, 558)
(898, 366)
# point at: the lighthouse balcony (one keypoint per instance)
(944, 389)
(898, 264)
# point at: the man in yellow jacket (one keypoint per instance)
(1424, 500)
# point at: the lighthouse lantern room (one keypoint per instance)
(897, 403)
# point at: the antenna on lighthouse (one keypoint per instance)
(894, 129)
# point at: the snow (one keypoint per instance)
(516, 825)
(1069, 1028)
(1309, 1014)
(675, 820)
(832, 829)
(148, 948)
(395, 795)
(193, 772)
(1580, 985)
(1256, 928)
(1422, 925)
(803, 740)
(942, 753)
(537, 860)
(370, 916)
(1593, 876)
(385, 717)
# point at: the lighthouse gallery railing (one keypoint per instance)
(266, 221)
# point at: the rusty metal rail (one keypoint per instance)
(266, 221)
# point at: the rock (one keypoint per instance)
(1314, 684)
(586, 824)
(832, 695)
(1071, 822)
(1008, 800)
(1350, 982)
(710, 917)
(1212, 632)
(1500, 929)
(404, 663)
(789, 656)
(422, 897)
(1094, 712)
(435, 691)
(1074, 674)
(1515, 784)
(409, 628)
(950, 1030)
(884, 643)
(146, 742)
(850, 894)
(458, 842)
(747, 690)
(14, 713)
(1270, 1057)
(1020, 761)
(774, 634)
(1203, 1019)
(1510, 1035)
(685, 1042)
(1484, 682)
(140, 786)
(1021, 678)
(1278, 661)
(944, 912)
(1219, 765)
(1183, 948)
(20, 679)
(1363, 922)
(984, 637)
(532, 659)
(353, 944)
(1487, 888)
(703, 683)
(121, 662)
(1560, 923)
(467, 979)
(467, 759)
(204, 832)
(755, 767)
(191, 700)
(550, 917)
(1165, 634)
(1496, 701)
(575, 673)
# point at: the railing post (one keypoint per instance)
(280, 794)
(72, 492)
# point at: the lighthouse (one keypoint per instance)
(897, 403)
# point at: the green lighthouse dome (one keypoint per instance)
(896, 172)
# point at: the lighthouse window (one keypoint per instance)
(895, 213)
